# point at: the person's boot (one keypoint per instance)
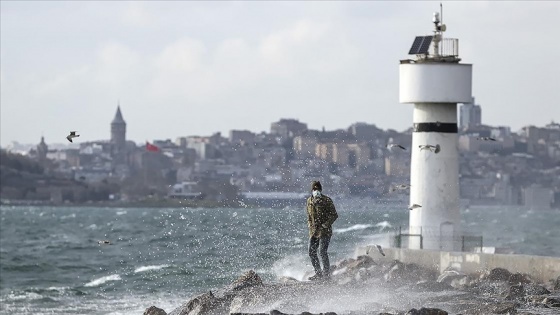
(326, 275)
(316, 276)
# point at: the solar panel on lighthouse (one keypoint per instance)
(420, 45)
(415, 45)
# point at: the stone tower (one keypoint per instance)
(42, 150)
(118, 136)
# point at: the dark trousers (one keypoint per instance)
(321, 244)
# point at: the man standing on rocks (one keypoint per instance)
(321, 214)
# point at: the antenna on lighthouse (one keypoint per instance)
(441, 11)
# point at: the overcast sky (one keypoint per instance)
(183, 68)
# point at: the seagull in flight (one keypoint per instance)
(414, 206)
(434, 148)
(400, 186)
(394, 146)
(486, 138)
(72, 135)
(380, 249)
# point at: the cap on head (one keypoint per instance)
(316, 185)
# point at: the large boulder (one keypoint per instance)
(152, 310)
(249, 279)
(535, 289)
(426, 311)
(498, 274)
(517, 278)
(204, 304)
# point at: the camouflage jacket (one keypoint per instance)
(321, 214)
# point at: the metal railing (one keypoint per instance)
(468, 243)
(448, 47)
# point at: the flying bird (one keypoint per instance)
(394, 146)
(414, 206)
(72, 135)
(486, 138)
(434, 148)
(380, 249)
(402, 186)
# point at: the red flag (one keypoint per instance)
(152, 148)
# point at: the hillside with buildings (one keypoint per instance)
(518, 168)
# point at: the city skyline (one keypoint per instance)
(191, 68)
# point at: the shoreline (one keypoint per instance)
(371, 285)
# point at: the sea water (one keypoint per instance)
(51, 262)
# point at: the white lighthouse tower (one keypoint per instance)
(435, 82)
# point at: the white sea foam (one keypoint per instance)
(100, 281)
(59, 289)
(147, 268)
(355, 227)
(24, 296)
(92, 227)
(294, 266)
(383, 225)
(121, 212)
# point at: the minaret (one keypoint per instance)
(435, 82)
(118, 134)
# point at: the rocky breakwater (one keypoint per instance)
(365, 286)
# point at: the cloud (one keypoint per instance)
(137, 15)
(211, 64)
(117, 66)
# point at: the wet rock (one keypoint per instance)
(552, 301)
(249, 279)
(557, 283)
(395, 272)
(200, 305)
(495, 292)
(535, 289)
(517, 277)
(426, 311)
(490, 287)
(498, 274)
(504, 308)
(515, 292)
(290, 306)
(360, 262)
(152, 310)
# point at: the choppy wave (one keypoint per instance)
(355, 227)
(102, 280)
(148, 268)
(166, 256)
(384, 225)
(15, 296)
